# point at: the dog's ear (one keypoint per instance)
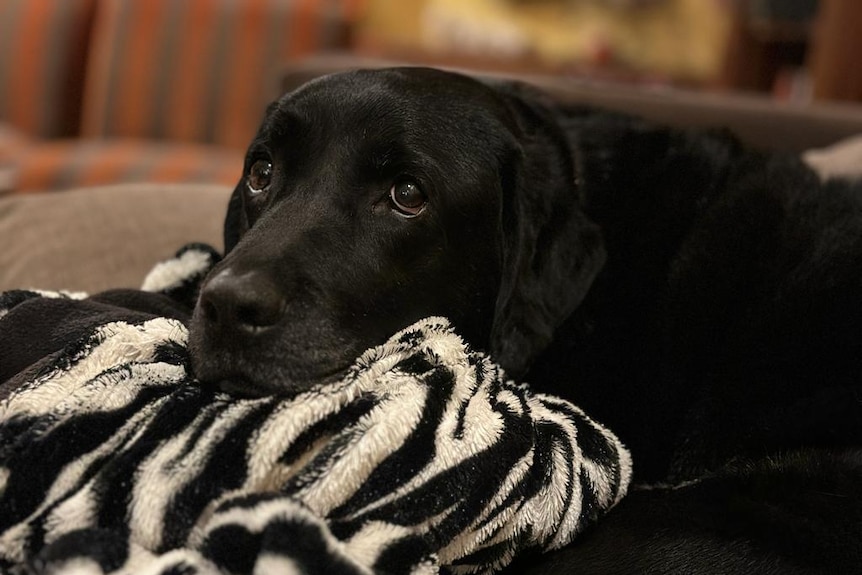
(552, 251)
(235, 221)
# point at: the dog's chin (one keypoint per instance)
(281, 362)
(240, 373)
(254, 383)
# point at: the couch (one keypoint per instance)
(113, 91)
(93, 238)
(157, 100)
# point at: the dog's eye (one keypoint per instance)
(408, 198)
(259, 176)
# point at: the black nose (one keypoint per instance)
(248, 302)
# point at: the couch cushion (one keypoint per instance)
(94, 239)
(201, 70)
(43, 49)
(72, 163)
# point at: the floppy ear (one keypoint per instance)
(552, 251)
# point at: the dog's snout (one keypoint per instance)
(247, 302)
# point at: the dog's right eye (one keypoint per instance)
(407, 198)
(259, 176)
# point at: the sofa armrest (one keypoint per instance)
(99, 238)
(759, 121)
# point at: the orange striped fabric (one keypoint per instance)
(200, 70)
(12, 143)
(43, 49)
(71, 163)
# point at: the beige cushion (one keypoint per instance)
(99, 238)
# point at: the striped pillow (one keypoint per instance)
(199, 70)
(66, 164)
(43, 47)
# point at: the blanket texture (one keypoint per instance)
(423, 458)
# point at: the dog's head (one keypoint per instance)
(372, 199)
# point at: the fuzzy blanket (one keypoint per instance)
(423, 458)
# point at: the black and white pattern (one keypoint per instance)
(424, 457)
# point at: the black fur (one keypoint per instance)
(700, 299)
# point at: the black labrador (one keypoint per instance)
(701, 299)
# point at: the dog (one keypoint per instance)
(702, 299)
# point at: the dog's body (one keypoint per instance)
(700, 299)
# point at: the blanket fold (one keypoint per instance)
(423, 457)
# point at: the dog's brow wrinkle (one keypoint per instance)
(382, 158)
(284, 121)
(257, 148)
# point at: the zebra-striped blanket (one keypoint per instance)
(424, 457)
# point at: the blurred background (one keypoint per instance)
(112, 91)
(762, 45)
